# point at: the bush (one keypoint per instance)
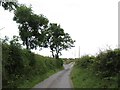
(108, 63)
(12, 63)
(59, 63)
(19, 65)
(85, 61)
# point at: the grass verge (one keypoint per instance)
(37, 79)
(85, 78)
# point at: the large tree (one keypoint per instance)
(58, 40)
(31, 26)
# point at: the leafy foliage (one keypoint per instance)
(108, 63)
(31, 26)
(35, 32)
(20, 65)
(9, 5)
(104, 67)
(85, 61)
(12, 61)
(58, 40)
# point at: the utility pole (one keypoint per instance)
(74, 53)
(79, 52)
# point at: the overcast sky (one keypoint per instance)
(92, 23)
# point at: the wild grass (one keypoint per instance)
(85, 78)
(101, 71)
(36, 79)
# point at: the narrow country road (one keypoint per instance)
(58, 80)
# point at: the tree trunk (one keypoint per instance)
(57, 52)
(27, 46)
(52, 54)
(57, 56)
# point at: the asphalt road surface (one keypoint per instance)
(58, 80)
